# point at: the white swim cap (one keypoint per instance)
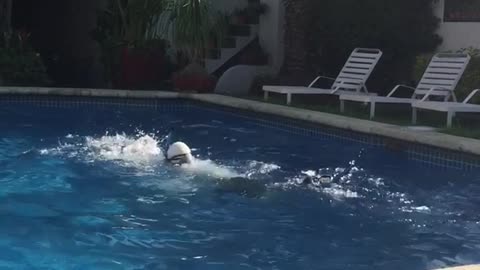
(179, 152)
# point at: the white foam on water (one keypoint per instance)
(209, 168)
(255, 167)
(139, 151)
(338, 192)
(418, 209)
(142, 152)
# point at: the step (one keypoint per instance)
(212, 64)
(239, 30)
(229, 42)
(214, 54)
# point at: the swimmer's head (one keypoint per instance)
(179, 153)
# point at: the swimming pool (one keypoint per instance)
(83, 186)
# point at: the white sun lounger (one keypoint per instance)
(351, 79)
(451, 108)
(440, 80)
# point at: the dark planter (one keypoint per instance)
(142, 68)
(239, 19)
(194, 83)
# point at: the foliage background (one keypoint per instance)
(401, 29)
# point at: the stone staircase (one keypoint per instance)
(238, 38)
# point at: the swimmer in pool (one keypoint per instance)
(179, 153)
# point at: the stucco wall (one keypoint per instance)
(457, 35)
(271, 32)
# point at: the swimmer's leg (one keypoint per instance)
(242, 187)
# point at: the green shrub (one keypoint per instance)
(401, 29)
(471, 78)
(20, 65)
(421, 64)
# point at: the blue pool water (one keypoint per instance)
(86, 188)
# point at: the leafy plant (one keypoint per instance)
(130, 24)
(20, 65)
(421, 63)
(401, 29)
(193, 23)
(471, 78)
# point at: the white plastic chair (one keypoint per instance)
(351, 79)
(440, 80)
(451, 108)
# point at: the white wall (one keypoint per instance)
(271, 32)
(457, 35)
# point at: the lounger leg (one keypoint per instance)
(265, 95)
(342, 106)
(289, 98)
(414, 116)
(372, 110)
(450, 115)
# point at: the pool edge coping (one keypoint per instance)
(430, 138)
(465, 267)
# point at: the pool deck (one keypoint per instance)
(467, 267)
(431, 138)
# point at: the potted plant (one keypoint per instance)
(128, 33)
(194, 26)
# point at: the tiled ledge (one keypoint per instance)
(85, 92)
(445, 141)
(436, 139)
(467, 267)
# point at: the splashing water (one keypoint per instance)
(138, 151)
(209, 168)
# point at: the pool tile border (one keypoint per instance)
(430, 148)
(427, 155)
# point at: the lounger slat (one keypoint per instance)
(365, 55)
(437, 81)
(443, 70)
(441, 76)
(362, 60)
(447, 65)
(351, 76)
(354, 65)
(355, 70)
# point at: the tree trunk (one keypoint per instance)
(296, 20)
